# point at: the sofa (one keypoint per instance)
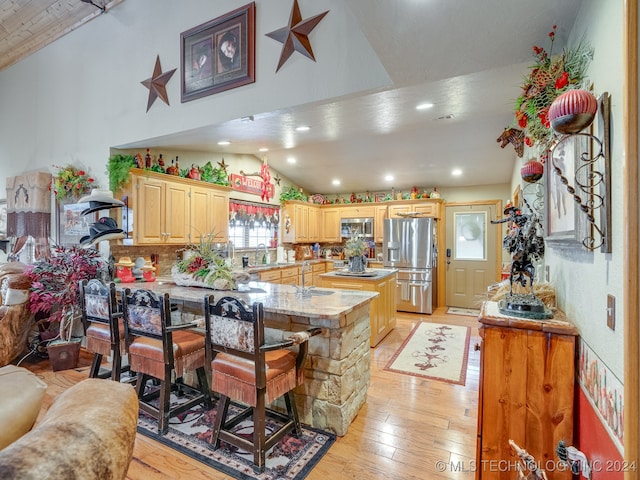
(16, 320)
(88, 432)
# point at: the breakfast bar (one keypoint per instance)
(337, 370)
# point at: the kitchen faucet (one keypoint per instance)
(266, 253)
(306, 266)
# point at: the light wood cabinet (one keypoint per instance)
(527, 378)
(209, 214)
(382, 309)
(330, 225)
(381, 212)
(301, 222)
(358, 210)
(271, 276)
(289, 276)
(419, 206)
(174, 210)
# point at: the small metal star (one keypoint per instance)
(294, 37)
(223, 165)
(157, 84)
(277, 180)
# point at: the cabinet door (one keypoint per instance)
(313, 223)
(219, 203)
(177, 213)
(378, 223)
(149, 224)
(301, 222)
(426, 209)
(201, 218)
(330, 225)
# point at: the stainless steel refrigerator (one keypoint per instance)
(410, 246)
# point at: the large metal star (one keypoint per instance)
(157, 84)
(294, 37)
(223, 165)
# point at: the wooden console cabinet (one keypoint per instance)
(527, 381)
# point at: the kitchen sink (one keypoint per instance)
(311, 292)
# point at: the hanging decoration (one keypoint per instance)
(266, 180)
(248, 213)
(157, 84)
(514, 137)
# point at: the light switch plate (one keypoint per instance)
(611, 312)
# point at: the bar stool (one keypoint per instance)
(157, 349)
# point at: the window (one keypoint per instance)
(251, 224)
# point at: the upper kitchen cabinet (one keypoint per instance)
(330, 224)
(427, 208)
(300, 222)
(381, 212)
(175, 210)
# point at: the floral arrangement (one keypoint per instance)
(71, 182)
(205, 266)
(355, 246)
(550, 76)
(55, 284)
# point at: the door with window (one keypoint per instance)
(472, 253)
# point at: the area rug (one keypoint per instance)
(434, 351)
(469, 312)
(290, 459)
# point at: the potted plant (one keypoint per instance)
(55, 290)
(354, 251)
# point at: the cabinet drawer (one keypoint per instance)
(270, 276)
(318, 267)
(288, 273)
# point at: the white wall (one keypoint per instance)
(73, 100)
(583, 279)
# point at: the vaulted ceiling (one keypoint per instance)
(466, 56)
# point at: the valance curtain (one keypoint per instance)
(253, 214)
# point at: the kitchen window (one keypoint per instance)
(251, 224)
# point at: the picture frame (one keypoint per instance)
(565, 226)
(70, 224)
(218, 55)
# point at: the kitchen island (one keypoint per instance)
(337, 369)
(382, 309)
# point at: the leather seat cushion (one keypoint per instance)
(235, 377)
(99, 338)
(21, 394)
(146, 355)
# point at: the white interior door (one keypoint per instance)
(472, 262)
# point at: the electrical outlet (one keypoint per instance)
(611, 312)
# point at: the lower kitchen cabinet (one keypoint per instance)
(526, 394)
(382, 314)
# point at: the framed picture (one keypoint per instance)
(565, 224)
(71, 225)
(3, 218)
(218, 55)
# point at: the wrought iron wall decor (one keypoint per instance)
(591, 188)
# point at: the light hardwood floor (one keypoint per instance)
(409, 428)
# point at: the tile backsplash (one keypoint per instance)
(167, 255)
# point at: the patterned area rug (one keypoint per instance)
(434, 351)
(290, 459)
(469, 312)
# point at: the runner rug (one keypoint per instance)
(290, 459)
(469, 312)
(434, 351)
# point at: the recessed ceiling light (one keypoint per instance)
(446, 117)
(291, 160)
(224, 142)
(303, 128)
(264, 149)
(424, 106)
(389, 178)
(335, 181)
(456, 172)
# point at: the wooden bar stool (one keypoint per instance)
(157, 349)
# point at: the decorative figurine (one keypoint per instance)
(525, 244)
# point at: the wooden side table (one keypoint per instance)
(527, 380)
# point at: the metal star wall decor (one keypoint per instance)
(294, 37)
(157, 84)
(223, 165)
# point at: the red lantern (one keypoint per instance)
(532, 171)
(573, 111)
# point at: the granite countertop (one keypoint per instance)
(370, 274)
(276, 266)
(323, 303)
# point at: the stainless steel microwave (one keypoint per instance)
(356, 226)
